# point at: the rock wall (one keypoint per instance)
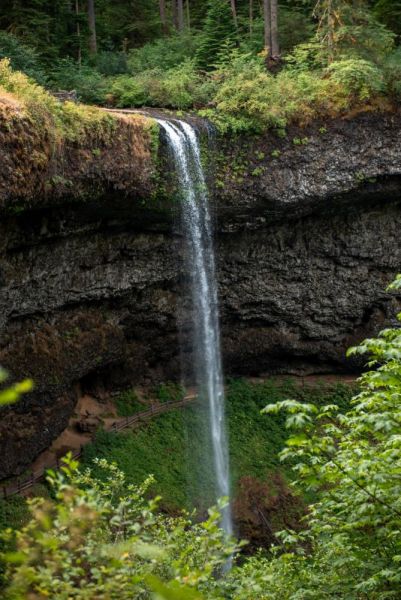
(308, 237)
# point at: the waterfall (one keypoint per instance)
(197, 225)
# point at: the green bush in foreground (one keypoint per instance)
(103, 540)
(352, 546)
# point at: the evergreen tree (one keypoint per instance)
(48, 26)
(389, 13)
(219, 34)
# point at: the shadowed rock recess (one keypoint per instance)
(308, 236)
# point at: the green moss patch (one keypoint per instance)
(174, 448)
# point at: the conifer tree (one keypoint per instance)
(219, 33)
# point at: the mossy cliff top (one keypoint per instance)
(57, 153)
(51, 150)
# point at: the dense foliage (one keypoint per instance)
(336, 56)
(351, 548)
(99, 538)
(58, 121)
(104, 540)
(179, 437)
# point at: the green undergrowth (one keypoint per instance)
(174, 448)
(169, 392)
(13, 512)
(128, 403)
(66, 121)
(61, 122)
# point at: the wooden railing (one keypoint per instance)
(20, 486)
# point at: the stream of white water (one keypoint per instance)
(197, 230)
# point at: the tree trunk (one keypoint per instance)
(174, 13)
(79, 53)
(92, 27)
(275, 47)
(330, 31)
(250, 18)
(188, 15)
(268, 30)
(180, 15)
(163, 18)
(234, 11)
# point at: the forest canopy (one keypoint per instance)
(246, 65)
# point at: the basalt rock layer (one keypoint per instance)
(308, 237)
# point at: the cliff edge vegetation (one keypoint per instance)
(54, 149)
(248, 67)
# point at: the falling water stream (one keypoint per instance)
(197, 230)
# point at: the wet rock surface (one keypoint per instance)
(91, 296)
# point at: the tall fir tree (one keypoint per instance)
(218, 35)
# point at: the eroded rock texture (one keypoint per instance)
(91, 294)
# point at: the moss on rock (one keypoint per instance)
(52, 150)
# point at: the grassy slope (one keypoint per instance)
(171, 446)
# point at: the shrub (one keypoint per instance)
(178, 87)
(308, 56)
(163, 53)
(170, 392)
(250, 98)
(127, 91)
(128, 403)
(56, 122)
(353, 460)
(111, 63)
(357, 79)
(89, 84)
(22, 58)
(392, 73)
(103, 539)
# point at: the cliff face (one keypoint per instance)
(91, 292)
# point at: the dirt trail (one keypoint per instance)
(88, 409)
